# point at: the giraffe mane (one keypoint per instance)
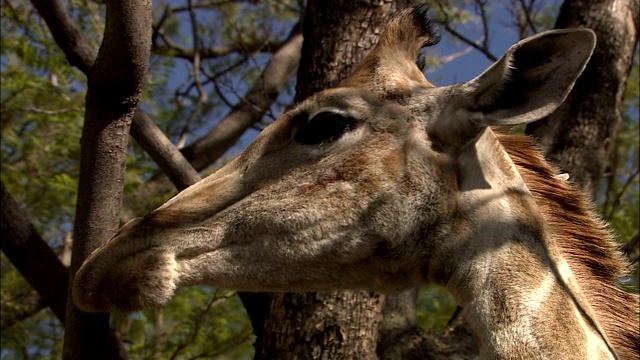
(585, 242)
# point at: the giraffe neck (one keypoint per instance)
(517, 292)
(517, 306)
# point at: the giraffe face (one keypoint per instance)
(354, 188)
(327, 197)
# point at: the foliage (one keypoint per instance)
(39, 335)
(42, 106)
(200, 322)
(435, 307)
(42, 113)
(619, 198)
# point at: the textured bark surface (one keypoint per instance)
(455, 343)
(337, 325)
(579, 135)
(398, 316)
(337, 35)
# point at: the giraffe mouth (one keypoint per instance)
(139, 268)
(126, 278)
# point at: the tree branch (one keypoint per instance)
(202, 94)
(33, 257)
(183, 52)
(156, 144)
(77, 50)
(282, 67)
(171, 48)
(628, 247)
(162, 151)
(625, 187)
(484, 49)
(143, 130)
(527, 10)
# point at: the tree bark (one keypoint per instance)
(115, 84)
(398, 315)
(337, 325)
(578, 137)
(333, 325)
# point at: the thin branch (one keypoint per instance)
(282, 66)
(221, 94)
(471, 43)
(202, 95)
(250, 46)
(41, 111)
(448, 58)
(527, 14)
(213, 77)
(163, 152)
(625, 186)
(157, 28)
(481, 7)
(174, 49)
(481, 48)
(197, 321)
(611, 177)
(628, 247)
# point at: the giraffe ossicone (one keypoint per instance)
(387, 182)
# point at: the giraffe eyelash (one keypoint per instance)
(325, 127)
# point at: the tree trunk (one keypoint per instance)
(579, 136)
(339, 324)
(115, 84)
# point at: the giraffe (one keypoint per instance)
(388, 182)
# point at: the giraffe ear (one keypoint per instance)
(529, 82)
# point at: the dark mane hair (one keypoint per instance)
(585, 242)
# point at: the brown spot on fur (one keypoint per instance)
(320, 184)
(393, 163)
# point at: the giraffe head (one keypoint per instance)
(356, 187)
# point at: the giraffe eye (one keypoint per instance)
(325, 127)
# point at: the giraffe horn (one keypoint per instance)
(391, 66)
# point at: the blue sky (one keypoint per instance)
(461, 69)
